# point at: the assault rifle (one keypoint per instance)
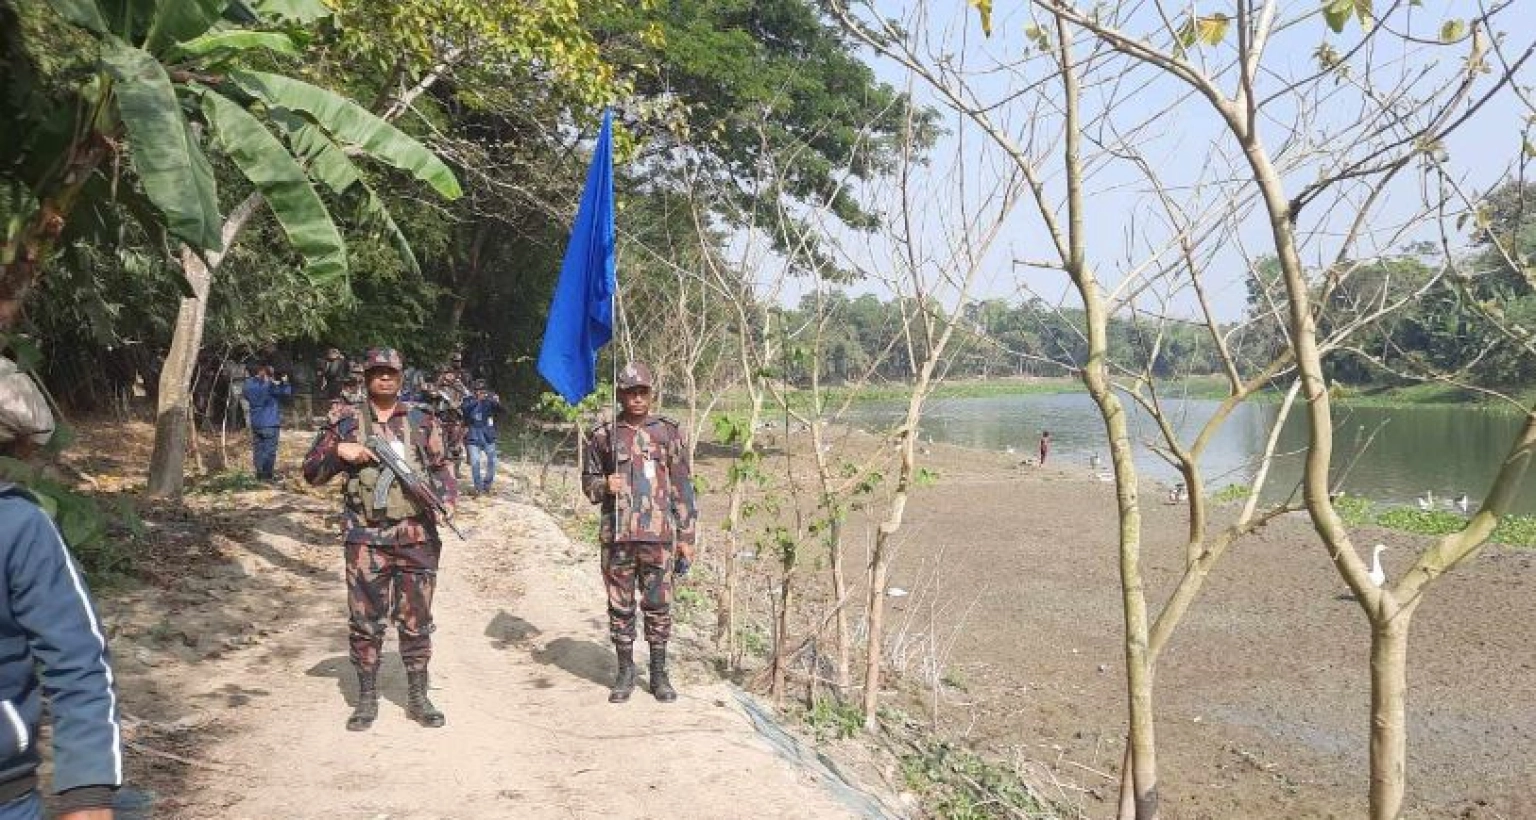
(414, 484)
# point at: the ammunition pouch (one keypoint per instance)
(361, 497)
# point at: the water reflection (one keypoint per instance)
(1388, 455)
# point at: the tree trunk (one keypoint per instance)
(1389, 727)
(168, 463)
(1142, 742)
(878, 565)
(839, 596)
(781, 645)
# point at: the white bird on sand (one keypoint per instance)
(1427, 500)
(1462, 504)
(1178, 494)
(1377, 575)
(1093, 462)
(1008, 450)
(896, 592)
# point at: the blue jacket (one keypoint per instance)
(46, 618)
(480, 415)
(261, 395)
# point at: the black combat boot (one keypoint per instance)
(661, 687)
(367, 708)
(624, 681)
(417, 706)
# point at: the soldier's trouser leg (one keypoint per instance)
(411, 607)
(368, 583)
(619, 580)
(655, 580)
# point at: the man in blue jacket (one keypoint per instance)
(51, 646)
(262, 392)
(480, 409)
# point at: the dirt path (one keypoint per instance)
(253, 653)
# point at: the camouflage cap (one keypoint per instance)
(386, 357)
(636, 374)
(480, 384)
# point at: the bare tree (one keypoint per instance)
(1403, 112)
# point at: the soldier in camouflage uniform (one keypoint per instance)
(638, 470)
(392, 551)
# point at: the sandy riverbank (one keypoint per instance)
(1263, 695)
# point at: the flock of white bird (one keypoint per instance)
(1460, 503)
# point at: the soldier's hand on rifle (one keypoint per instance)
(615, 483)
(353, 453)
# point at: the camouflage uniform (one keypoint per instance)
(653, 458)
(391, 563)
(640, 526)
(447, 404)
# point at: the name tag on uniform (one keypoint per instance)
(490, 422)
(650, 469)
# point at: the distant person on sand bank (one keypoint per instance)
(1045, 446)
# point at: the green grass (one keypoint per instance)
(229, 481)
(1513, 530)
(957, 784)
(830, 719)
(1425, 395)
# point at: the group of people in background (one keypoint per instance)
(465, 407)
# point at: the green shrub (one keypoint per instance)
(1422, 522)
(828, 718)
(1354, 510)
(1230, 493)
(1516, 530)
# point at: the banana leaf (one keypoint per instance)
(351, 125)
(175, 174)
(263, 159)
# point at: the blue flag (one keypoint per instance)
(581, 315)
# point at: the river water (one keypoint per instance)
(1389, 455)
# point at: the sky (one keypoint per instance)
(1124, 221)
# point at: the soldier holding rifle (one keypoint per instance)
(392, 543)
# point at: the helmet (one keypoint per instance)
(635, 374)
(386, 357)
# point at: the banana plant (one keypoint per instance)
(172, 81)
